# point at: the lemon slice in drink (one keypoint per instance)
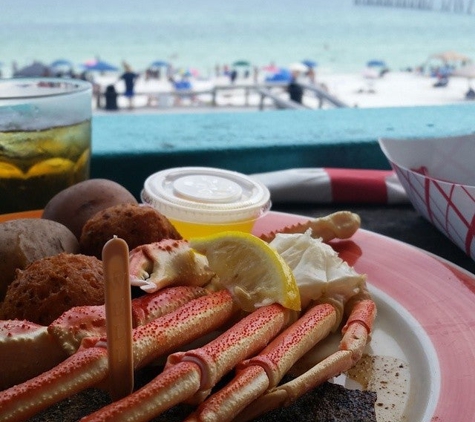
(250, 269)
(51, 166)
(10, 171)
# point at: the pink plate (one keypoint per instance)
(426, 309)
(426, 317)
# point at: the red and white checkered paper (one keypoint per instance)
(448, 206)
(438, 175)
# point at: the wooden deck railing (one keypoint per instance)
(270, 91)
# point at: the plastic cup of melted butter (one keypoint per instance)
(201, 201)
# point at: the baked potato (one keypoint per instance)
(75, 205)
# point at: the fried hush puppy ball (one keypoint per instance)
(136, 224)
(50, 286)
(25, 240)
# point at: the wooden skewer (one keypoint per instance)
(115, 259)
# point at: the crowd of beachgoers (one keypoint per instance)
(164, 87)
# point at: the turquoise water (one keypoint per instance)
(340, 36)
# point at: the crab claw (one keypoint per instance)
(26, 348)
(169, 262)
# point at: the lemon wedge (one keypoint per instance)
(254, 273)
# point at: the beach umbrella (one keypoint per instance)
(451, 56)
(241, 63)
(61, 63)
(192, 71)
(271, 68)
(33, 70)
(159, 63)
(283, 75)
(309, 63)
(99, 66)
(298, 67)
(376, 63)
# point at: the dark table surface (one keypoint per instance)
(399, 222)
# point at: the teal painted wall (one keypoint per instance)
(128, 147)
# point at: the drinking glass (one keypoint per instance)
(45, 139)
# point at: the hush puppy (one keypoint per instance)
(136, 224)
(50, 286)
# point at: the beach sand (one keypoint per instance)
(394, 89)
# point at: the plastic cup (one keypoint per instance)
(45, 139)
(201, 201)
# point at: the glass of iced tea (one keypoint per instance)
(45, 139)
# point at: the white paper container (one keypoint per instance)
(438, 175)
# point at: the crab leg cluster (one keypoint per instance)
(88, 367)
(258, 374)
(195, 372)
(261, 348)
(356, 333)
(28, 349)
(199, 369)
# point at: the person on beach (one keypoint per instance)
(294, 89)
(311, 75)
(233, 76)
(111, 98)
(129, 77)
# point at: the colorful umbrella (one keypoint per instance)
(310, 63)
(376, 63)
(272, 68)
(298, 67)
(99, 66)
(33, 70)
(241, 63)
(61, 63)
(451, 56)
(159, 63)
(283, 75)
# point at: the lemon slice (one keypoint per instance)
(8, 170)
(51, 166)
(250, 269)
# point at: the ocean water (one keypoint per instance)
(337, 34)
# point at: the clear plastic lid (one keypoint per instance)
(206, 195)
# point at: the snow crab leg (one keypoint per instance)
(356, 334)
(198, 370)
(88, 366)
(339, 225)
(194, 373)
(22, 342)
